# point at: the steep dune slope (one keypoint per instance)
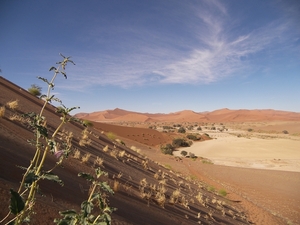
(143, 188)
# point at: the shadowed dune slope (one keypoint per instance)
(151, 203)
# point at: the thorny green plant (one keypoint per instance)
(96, 198)
(46, 143)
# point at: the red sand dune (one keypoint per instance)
(222, 115)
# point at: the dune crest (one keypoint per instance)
(221, 115)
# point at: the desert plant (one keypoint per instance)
(223, 192)
(87, 123)
(98, 161)
(13, 104)
(22, 201)
(2, 111)
(179, 142)
(85, 138)
(183, 153)
(285, 132)
(76, 154)
(35, 90)
(96, 199)
(111, 136)
(193, 137)
(167, 149)
(85, 158)
(181, 130)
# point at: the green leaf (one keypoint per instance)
(86, 208)
(52, 68)
(106, 187)
(16, 202)
(64, 73)
(100, 172)
(42, 130)
(68, 212)
(87, 176)
(29, 179)
(52, 177)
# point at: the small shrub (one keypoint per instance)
(181, 130)
(183, 153)
(211, 188)
(199, 128)
(285, 132)
(250, 130)
(179, 142)
(111, 136)
(207, 161)
(167, 149)
(35, 90)
(193, 137)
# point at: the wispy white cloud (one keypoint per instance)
(214, 54)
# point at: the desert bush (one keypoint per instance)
(199, 128)
(179, 142)
(183, 153)
(167, 149)
(193, 137)
(181, 130)
(250, 129)
(285, 132)
(22, 201)
(35, 90)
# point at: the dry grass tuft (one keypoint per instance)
(116, 185)
(76, 154)
(98, 161)
(105, 149)
(2, 111)
(85, 138)
(85, 158)
(135, 149)
(13, 104)
(16, 117)
(121, 154)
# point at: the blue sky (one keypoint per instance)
(157, 56)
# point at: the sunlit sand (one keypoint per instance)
(226, 149)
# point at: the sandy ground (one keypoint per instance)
(249, 152)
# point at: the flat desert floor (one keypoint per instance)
(259, 170)
(260, 151)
